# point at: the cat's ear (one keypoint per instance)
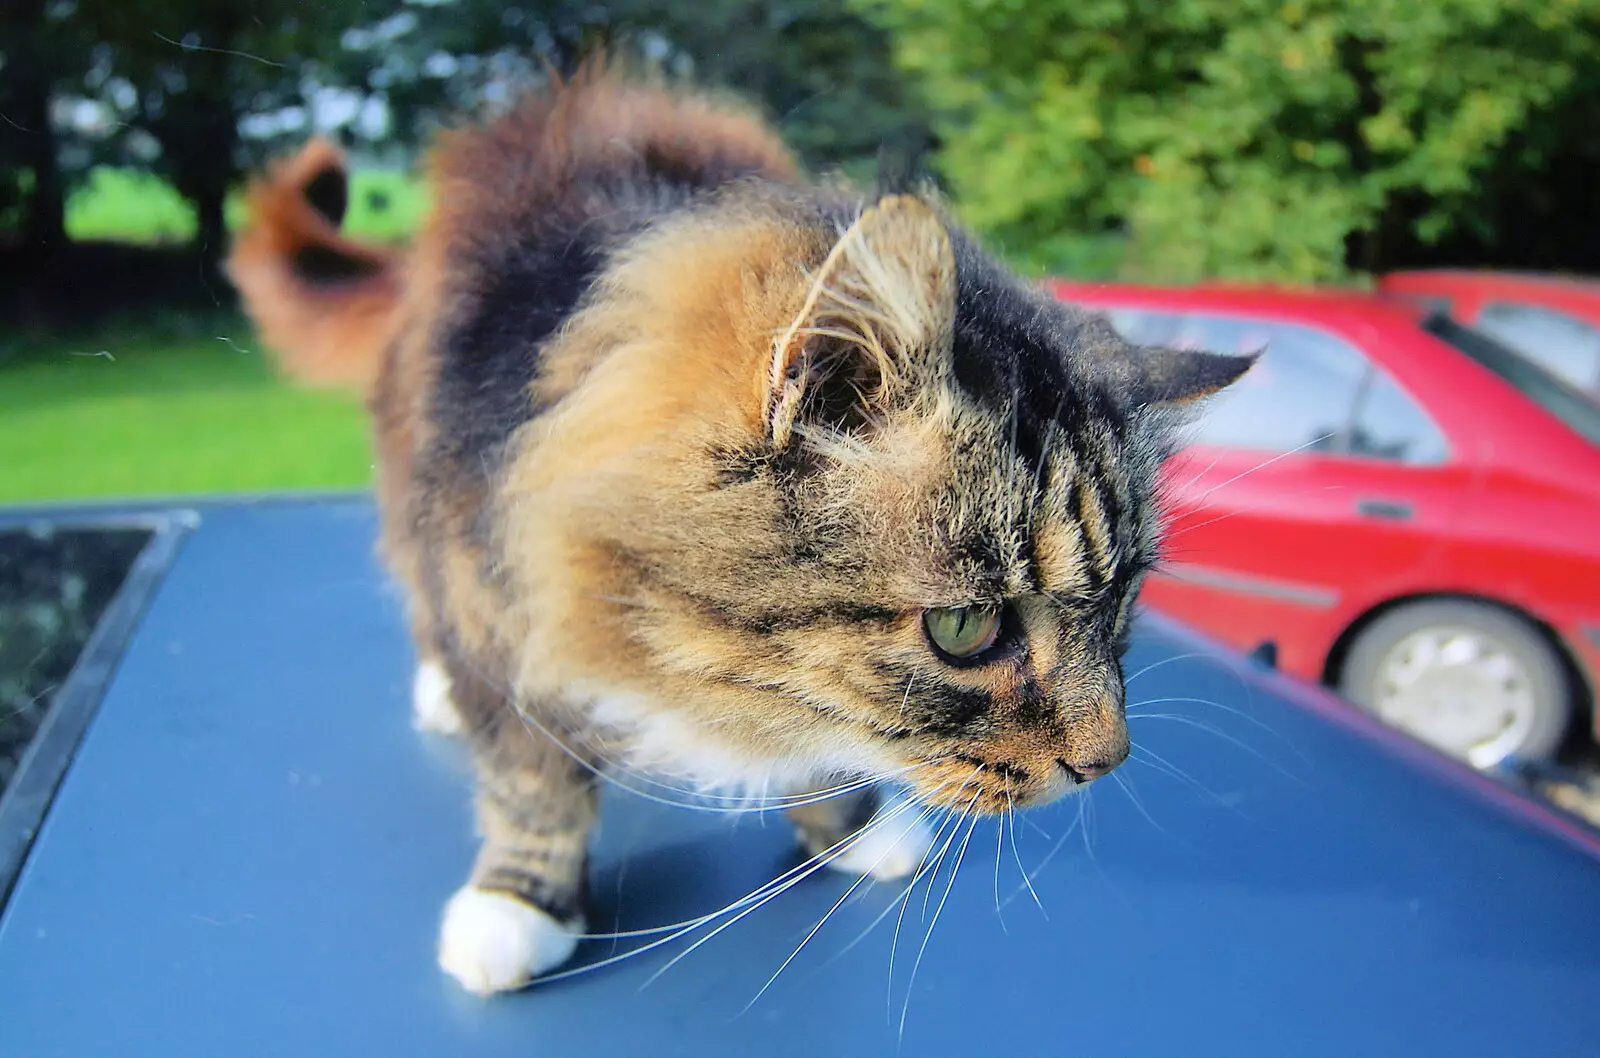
(1178, 376)
(881, 306)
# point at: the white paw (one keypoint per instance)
(431, 706)
(888, 848)
(492, 942)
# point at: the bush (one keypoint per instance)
(1176, 139)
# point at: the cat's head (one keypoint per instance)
(913, 532)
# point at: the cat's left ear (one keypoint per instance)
(1177, 376)
(881, 307)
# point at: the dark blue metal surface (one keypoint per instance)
(249, 855)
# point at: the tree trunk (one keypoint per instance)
(44, 222)
(45, 225)
(211, 232)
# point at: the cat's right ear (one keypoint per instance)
(1178, 376)
(881, 307)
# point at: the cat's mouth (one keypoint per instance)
(971, 783)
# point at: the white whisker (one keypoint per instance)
(899, 898)
(1277, 500)
(1192, 722)
(756, 899)
(1011, 824)
(1029, 876)
(1165, 661)
(838, 849)
(865, 877)
(1127, 788)
(1146, 755)
(949, 885)
(1266, 463)
(999, 854)
(1242, 714)
(922, 869)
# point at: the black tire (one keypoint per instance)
(1547, 674)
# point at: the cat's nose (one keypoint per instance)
(1098, 767)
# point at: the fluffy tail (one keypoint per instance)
(323, 303)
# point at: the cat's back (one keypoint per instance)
(529, 208)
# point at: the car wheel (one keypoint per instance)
(1465, 677)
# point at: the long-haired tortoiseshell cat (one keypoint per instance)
(694, 467)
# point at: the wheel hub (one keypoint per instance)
(1459, 690)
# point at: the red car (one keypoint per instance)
(1405, 508)
(1553, 320)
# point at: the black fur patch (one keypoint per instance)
(745, 616)
(1018, 356)
(491, 358)
(562, 903)
(1032, 707)
(944, 709)
(318, 265)
(530, 285)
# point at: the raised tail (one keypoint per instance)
(323, 303)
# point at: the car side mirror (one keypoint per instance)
(1265, 654)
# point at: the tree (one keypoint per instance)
(1175, 139)
(179, 77)
(822, 71)
(41, 50)
(195, 68)
(825, 74)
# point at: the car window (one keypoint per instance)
(1311, 391)
(1555, 395)
(1565, 345)
(1144, 328)
(1388, 424)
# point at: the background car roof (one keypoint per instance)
(249, 854)
(1303, 302)
(1577, 294)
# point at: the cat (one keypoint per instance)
(695, 467)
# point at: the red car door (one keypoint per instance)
(1313, 489)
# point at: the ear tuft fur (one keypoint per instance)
(882, 301)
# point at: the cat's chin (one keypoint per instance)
(997, 799)
(660, 742)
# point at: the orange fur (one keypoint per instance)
(324, 335)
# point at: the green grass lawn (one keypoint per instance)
(128, 206)
(181, 407)
(176, 404)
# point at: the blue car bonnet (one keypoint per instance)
(250, 851)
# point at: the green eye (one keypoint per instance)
(962, 631)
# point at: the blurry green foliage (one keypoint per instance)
(825, 74)
(1286, 139)
(822, 71)
(172, 86)
(189, 70)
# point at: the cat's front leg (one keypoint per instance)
(860, 833)
(521, 913)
